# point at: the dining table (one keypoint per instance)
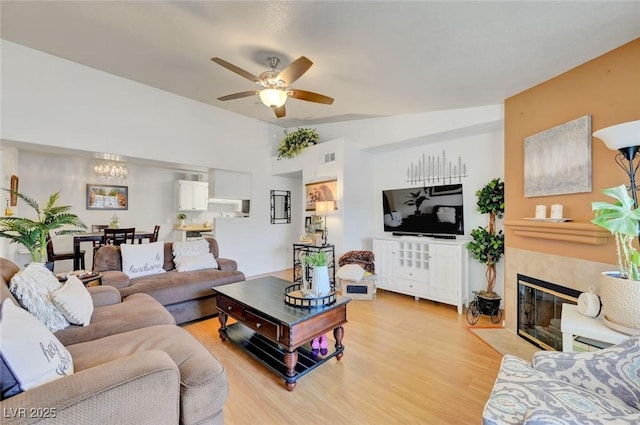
(139, 236)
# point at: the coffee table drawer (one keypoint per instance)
(261, 325)
(231, 308)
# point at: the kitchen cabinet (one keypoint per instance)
(192, 195)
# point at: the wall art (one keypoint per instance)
(107, 197)
(558, 160)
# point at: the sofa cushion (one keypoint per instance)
(613, 372)
(33, 361)
(134, 312)
(173, 287)
(195, 262)
(190, 248)
(203, 381)
(142, 259)
(32, 287)
(74, 301)
(519, 388)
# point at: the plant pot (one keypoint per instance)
(488, 305)
(320, 281)
(620, 303)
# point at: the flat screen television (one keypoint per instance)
(424, 211)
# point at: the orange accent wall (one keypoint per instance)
(607, 88)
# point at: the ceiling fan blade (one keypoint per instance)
(239, 95)
(280, 112)
(241, 72)
(295, 70)
(309, 96)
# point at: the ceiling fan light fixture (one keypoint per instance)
(273, 97)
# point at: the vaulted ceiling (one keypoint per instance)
(375, 58)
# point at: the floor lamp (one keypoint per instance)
(625, 138)
(323, 208)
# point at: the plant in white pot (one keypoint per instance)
(182, 218)
(487, 244)
(32, 233)
(620, 291)
(320, 276)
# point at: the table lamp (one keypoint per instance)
(323, 208)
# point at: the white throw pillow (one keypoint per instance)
(31, 354)
(352, 272)
(190, 248)
(196, 262)
(32, 288)
(446, 215)
(142, 259)
(74, 301)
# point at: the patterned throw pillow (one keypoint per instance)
(31, 355)
(32, 288)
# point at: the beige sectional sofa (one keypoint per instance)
(132, 365)
(187, 295)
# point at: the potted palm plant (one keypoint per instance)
(620, 290)
(320, 275)
(487, 245)
(32, 233)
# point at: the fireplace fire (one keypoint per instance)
(540, 310)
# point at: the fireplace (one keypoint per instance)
(539, 311)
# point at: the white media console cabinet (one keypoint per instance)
(424, 267)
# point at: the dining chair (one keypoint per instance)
(156, 231)
(118, 236)
(95, 228)
(60, 256)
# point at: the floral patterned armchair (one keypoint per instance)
(600, 387)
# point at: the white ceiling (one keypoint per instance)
(375, 58)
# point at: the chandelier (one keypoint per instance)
(110, 169)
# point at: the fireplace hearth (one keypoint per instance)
(540, 310)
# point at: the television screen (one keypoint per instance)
(426, 211)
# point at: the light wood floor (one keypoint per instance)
(405, 362)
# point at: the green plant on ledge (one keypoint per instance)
(33, 233)
(487, 245)
(621, 219)
(182, 216)
(294, 142)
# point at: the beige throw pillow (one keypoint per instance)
(74, 301)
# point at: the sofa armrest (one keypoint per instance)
(115, 278)
(611, 372)
(143, 388)
(104, 295)
(227, 265)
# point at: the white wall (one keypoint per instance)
(50, 101)
(483, 155)
(53, 102)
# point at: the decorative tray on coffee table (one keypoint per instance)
(294, 297)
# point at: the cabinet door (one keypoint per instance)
(200, 196)
(444, 273)
(385, 253)
(185, 196)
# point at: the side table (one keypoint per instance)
(573, 324)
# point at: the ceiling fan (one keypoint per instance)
(276, 85)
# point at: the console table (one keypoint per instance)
(572, 323)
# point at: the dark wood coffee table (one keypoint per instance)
(274, 333)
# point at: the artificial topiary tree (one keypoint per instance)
(487, 245)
